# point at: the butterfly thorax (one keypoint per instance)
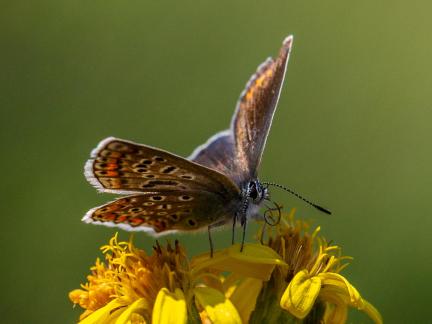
(253, 193)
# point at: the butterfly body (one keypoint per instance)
(217, 185)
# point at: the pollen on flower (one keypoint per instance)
(98, 290)
(129, 275)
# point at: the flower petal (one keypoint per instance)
(137, 306)
(245, 295)
(255, 261)
(301, 293)
(169, 308)
(336, 280)
(338, 291)
(218, 308)
(105, 314)
(372, 312)
(336, 310)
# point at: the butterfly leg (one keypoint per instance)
(214, 225)
(233, 229)
(243, 224)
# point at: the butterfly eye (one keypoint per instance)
(253, 192)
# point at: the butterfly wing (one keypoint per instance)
(237, 151)
(170, 193)
(124, 167)
(255, 109)
(218, 153)
(161, 212)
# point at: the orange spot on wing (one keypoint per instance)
(121, 219)
(108, 217)
(111, 166)
(258, 83)
(106, 160)
(136, 221)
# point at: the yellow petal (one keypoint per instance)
(105, 314)
(331, 279)
(218, 308)
(372, 312)
(230, 283)
(256, 261)
(301, 293)
(245, 295)
(338, 291)
(137, 306)
(336, 310)
(169, 308)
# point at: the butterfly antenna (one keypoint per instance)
(322, 209)
(268, 214)
(268, 217)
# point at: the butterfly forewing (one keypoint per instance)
(121, 166)
(255, 109)
(237, 151)
(161, 212)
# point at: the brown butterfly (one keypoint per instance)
(217, 185)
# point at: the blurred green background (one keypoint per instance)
(352, 130)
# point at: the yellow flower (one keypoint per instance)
(293, 278)
(310, 287)
(127, 286)
(133, 287)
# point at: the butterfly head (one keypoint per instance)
(257, 192)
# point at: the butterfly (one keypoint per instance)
(215, 186)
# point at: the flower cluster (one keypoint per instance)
(294, 277)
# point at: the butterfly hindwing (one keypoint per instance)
(161, 212)
(218, 153)
(121, 166)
